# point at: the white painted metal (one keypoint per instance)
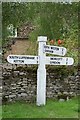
(22, 59)
(41, 73)
(59, 60)
(55, 50)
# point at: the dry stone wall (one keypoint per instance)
(0, 85)
(20, 83)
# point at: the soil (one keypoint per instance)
(19, 48)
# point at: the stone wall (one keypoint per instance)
(0, 85)
(20, 83)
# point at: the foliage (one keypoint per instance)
(54, 20)
(62, 71)
(16, 14)
(51, 19)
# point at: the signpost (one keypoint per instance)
(55, 50)
(59, 61)
(42, 60)
(22, 59)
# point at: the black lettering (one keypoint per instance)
(20, 57)
(55, 58)
(10, 57)
(54, 62)
(13, 57)
(49, 51)
(46, 47)
(20, 61)
(55, 48)
(23, 57)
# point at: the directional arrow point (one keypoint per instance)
(64, 51)
(71, 61)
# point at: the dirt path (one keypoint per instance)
(20, 47)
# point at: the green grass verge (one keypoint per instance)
(0, 112)
(53, 109)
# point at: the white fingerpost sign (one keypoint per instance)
(42, 60)
(22, 59)
(55, 50)
(59, 60)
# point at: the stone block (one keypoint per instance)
(23, 94)
(12, 96)
(13, 88)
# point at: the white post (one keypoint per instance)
(41, 72)
(15, 32)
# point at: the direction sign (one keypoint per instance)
(22, 59)
(55, 50)
(42, 60)
(59, 61)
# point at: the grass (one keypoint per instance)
(53, 109)
(0, 112)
